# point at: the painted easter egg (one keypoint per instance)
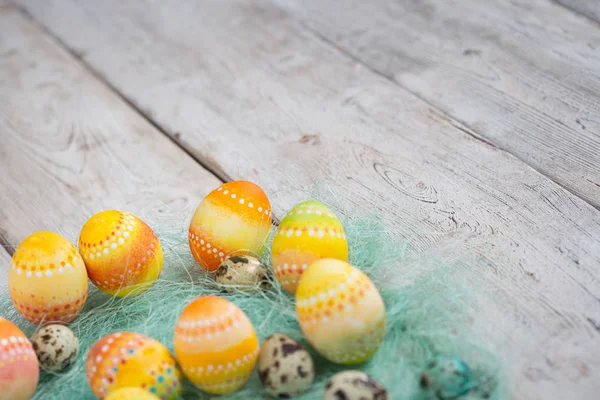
(234, 217)
(122, 254)
(47, 279)
(127, 359)
(340, 311)
(215, 344)
(56, 347)
(19, 369)
(308, 232)
(131, 393)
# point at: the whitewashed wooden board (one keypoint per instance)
(523, 74)
(5, 259)
(70, 147)
(255, 95)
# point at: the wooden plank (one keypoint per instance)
(5, 259)
(70, 147)
(524, 75)
(589, 8)
(248, 90)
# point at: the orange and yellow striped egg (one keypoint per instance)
(122, 254)
(127, 359)
(216, 345)
(131, 393)
(308, 232)
(19, 368)
(47, 279)
(234, 217)
(340, 311)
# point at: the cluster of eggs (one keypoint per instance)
(118, 252)
(339, 309)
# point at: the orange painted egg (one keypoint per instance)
(122, 254)
(19, 369)
(47, 279)
(127, 359)
(216, 345)
(131, 393)
(340, 311)
(234, 217)
(308, 232)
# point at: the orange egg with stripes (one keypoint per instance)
(122, 254)
(235, 217)
(308, 232)
(19, 368)
(216, 345)
(340, 311)
(128, 359)
(47, 279)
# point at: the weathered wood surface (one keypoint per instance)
(588, 8)
(524, 74)
(70, 147)
(255, 95)
(5, 259)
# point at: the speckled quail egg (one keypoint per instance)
(56, 347)
(285, 368)
(447, 377)
(354, 385)
(239, 273)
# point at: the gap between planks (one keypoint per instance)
(207, 165)
(454, 120)
(583, 8)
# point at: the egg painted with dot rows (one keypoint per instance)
(19, 369)
(308, 232)
(340, 311)
(234, 217)
(216, 345)
(47, 279)
(127, 359)
(122, 254)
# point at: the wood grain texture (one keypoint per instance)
(70, 147)
(523, 75)
(5, 259)
(248, 90)
(588, 8)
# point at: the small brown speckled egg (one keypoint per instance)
(354, 385)
(56, 347)
(285, 368)
(240, 273)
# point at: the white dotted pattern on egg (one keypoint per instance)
(56, 347)
(354, 385)
(285, 368)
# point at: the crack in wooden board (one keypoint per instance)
(524, 74)
(246, 87)
(587, 8)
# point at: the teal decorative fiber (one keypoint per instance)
(428, 302)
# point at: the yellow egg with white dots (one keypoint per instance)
(131, 393)
(122, 254)
(47, 279)
(308, 232)
(340, 311)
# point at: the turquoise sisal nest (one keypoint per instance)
(428, 303)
